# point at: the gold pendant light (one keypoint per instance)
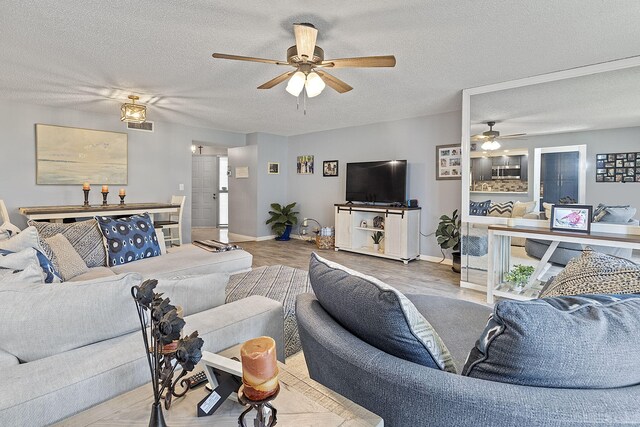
(132, 112)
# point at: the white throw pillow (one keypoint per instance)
(41, 320)
(520, 209)
(8, 230)
(27, 238)
(547, 209)
(65, 258)
(20, 267)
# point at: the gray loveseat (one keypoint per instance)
(407, 394)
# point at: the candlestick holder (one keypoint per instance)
(122, 196)
(86, 198)
(260, 406)
(104, 197)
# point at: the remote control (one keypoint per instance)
(198, 379)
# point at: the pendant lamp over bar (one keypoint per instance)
(132, 112)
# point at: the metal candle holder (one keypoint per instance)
(122, 196)
(104, 197)
(259, 406)
(86, 197)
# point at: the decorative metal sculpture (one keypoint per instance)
(266, 414)
(164, 348)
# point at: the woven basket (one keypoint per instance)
(325, 242)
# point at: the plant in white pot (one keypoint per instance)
(377, 238)
(448, 237)
(519, 276)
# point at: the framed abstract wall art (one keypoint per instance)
(571, 218)
(72, 156)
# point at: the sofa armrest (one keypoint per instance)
(7, 360)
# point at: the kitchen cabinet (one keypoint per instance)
(481, 169)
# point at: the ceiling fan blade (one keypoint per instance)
(306, 36)
(277, 80)
(478, 137)
(334, 82)
(513, 135)
(248, 58)
(363, 61)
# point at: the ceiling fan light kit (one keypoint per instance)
(308, 60)
(132, 112)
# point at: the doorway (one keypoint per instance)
(204, 188)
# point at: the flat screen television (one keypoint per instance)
(377, 182)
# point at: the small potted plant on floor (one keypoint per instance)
(448, 237)
(377, 238)
(282, 219)
(519, 276)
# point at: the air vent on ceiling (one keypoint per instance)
(144, 126)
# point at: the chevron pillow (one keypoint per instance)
(501, 209)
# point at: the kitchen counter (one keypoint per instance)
(500, 192)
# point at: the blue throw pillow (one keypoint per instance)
(479, 208)
(129, 239)
(581, 341)
(377, 314)
(51, 275)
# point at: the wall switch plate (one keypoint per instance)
(181, 187)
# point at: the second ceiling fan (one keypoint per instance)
(309, 65)
(490, 137)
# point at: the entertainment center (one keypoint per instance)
(401, 228)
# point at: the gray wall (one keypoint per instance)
(158, 161)
(413, 140)
(598, 142)
(243, 192)
(271, 188)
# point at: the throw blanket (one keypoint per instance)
(215, 246)
(280, 283)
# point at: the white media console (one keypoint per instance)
(355, 226)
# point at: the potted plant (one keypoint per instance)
(519, 276)
(377, 238)
(448, 236)
(282, 219)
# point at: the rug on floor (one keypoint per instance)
(280, 283)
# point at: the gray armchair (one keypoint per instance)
(406, 394)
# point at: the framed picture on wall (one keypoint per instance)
(330, 168)
(571, 218)
(448, 161)
(273, 168)
(304, 165)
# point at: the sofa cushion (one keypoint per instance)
(479, 208)
(501, 209)
(94, 273)
(65, 258)
(582, 341)
(84, 236)
(377, 314)
(595, 273)
(520, 209)
(28, 238)
(129, 239)
(64, 316)
(195, 293)
(187, 259)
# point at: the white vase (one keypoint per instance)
(376, 247)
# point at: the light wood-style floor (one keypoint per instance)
(417, 277)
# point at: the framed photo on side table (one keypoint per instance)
(571, 218)
(448, 161)
(330, 168)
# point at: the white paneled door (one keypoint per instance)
(204, 184)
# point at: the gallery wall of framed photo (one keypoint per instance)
(618, 167)
(448, 161)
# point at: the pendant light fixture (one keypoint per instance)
(132, 112)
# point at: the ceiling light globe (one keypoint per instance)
(314, 85)
(296, 83)
(490, 145)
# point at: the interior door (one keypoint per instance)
(204, 185)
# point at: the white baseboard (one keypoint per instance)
(436, 259)
(263, 238)
(242, 238)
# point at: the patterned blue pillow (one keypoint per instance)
(479, 208)
(580, 341)
(51, 275)
(129, 239)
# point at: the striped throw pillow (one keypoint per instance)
(501, 209)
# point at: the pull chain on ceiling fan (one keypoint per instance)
(309, 65)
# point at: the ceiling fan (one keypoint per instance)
(309, 65)
(491, 137)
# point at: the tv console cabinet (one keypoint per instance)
(355, 226)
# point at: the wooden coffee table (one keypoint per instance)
(301, 402)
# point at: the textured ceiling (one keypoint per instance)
(90, 55)
(599, 101)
